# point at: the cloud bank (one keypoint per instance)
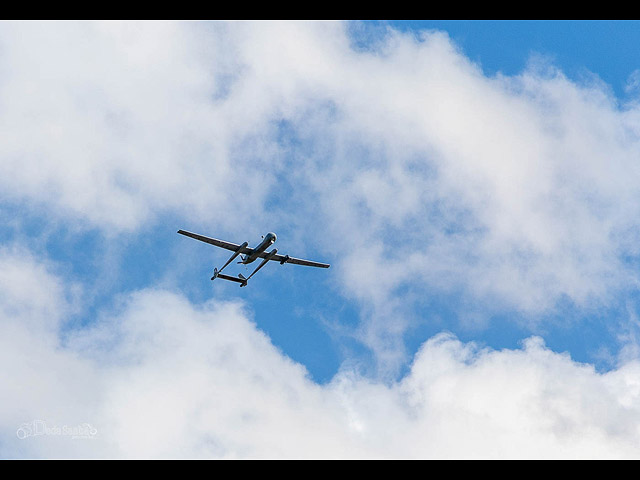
(161, 377)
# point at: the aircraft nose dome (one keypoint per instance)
(273, 235)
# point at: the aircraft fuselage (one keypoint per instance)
(268, 240)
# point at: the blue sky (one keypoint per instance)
(472, 183)
(603, 47)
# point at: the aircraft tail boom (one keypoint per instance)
(239, 279)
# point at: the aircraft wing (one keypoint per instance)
(218, 243)
(296, 261)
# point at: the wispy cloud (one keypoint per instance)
(517, 190)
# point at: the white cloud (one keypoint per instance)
(406, 162)
(161, 377)
(633, 82)
(29, 291)
(112, 123)
(518, 191)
